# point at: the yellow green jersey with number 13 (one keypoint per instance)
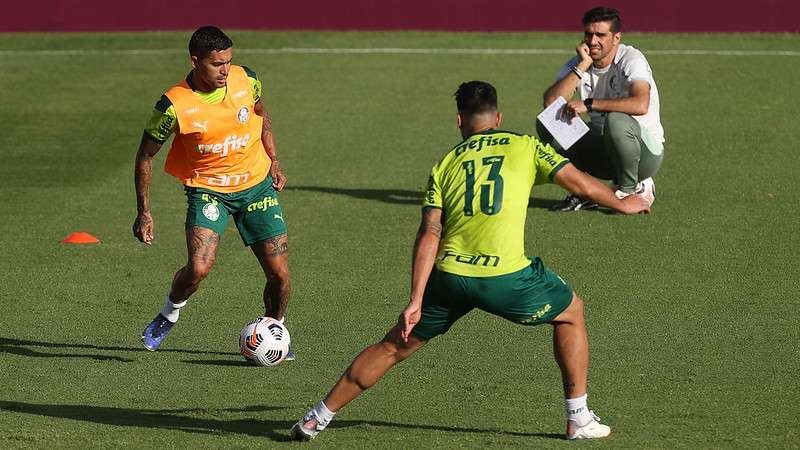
(482, 186)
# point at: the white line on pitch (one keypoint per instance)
(390, 51)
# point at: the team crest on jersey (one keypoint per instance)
(211, 212)
(243, 114)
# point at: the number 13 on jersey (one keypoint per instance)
(491, 199)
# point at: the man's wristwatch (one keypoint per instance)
(588, 103)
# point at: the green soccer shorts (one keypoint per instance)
(531, 296)
(256, 211)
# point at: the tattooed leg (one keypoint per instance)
(201, 246)
(273, 256)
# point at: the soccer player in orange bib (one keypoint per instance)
(224, 154)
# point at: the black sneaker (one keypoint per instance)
(573, 203)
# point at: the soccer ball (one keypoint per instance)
(264, 341)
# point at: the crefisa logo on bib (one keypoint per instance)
(243, 114)
(211, 211)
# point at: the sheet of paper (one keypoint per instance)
(565, 133)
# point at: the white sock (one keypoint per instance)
(279, 320)
(578, 410)
(323, 414)
(172, 310)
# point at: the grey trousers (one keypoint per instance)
(617, 152)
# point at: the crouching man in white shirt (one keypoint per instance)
(615, 86)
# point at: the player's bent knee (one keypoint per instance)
(199, 270)
(399, 349)
(279, 275)
(573, 313)
(412, 345)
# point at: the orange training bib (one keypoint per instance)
(219, 146)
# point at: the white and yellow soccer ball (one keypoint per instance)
(264, 341)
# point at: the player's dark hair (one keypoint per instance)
(603, 14)
(476, 97)
(208, 39)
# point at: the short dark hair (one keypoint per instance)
(476, 97)
(603, 14)
(208, 39)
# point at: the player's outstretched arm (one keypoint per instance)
(585, 186)
(425, 248)
(267, 138)
(143, 176)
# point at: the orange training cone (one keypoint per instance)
(80, 237)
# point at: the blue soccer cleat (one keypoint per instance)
(289, 355)
(154, 334)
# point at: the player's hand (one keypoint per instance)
(635, 204)
(408, 319)
(143, 227)
(570, 110)
(583, 55)
(278, 178)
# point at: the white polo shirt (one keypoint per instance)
(614, 81)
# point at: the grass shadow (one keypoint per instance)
(220, 362)
(400, 196)
(175, 419)
(440, 428)
(181, 419)
(547, 203)
(20, 347)
(542, 203)
(22, 351)
(396, 196)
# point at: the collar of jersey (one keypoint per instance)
(489, 131)
(212, 97)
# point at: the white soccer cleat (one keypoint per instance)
(307, 428)
(647, 189)
(591, 430)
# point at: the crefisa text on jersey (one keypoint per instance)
(231, 143)
(480, 143)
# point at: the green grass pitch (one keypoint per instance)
(692, 311)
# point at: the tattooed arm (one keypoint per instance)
(425, 249)
(143, 175)
(267, 138)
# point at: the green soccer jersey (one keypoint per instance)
(482, 186)
(163, 121)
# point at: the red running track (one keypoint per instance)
(445, 15)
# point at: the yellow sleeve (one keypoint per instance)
(257, 89)
(433, 193)
(255, 83)
(163, 121)
(547, 161)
